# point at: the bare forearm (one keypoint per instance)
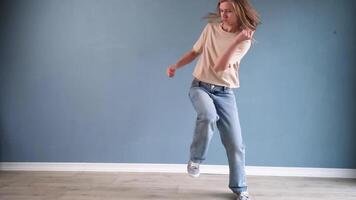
(222, 62)
(186, 59)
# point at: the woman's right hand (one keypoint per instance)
(171, 70)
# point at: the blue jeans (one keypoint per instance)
(216, 105)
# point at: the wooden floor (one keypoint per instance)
(126, 186)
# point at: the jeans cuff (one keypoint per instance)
(238, 189)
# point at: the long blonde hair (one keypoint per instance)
(248, 18)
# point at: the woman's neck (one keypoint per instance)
(229, 28)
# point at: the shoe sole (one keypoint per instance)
(194, 175)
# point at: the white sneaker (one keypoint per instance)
(243, 196)
(193, 169)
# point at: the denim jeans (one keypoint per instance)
(216, 107)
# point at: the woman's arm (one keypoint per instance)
(185, 59)
(222, 62)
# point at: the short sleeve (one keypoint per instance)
(199, 44)
(242, 50)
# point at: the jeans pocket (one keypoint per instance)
(227, 91)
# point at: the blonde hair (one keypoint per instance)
(248, 18)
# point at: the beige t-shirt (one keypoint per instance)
(212, 43)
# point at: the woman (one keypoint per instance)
(221, 46)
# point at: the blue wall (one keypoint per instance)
(84, 81)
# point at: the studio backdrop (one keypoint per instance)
(85, 81)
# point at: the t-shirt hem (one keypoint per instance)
(216, 83)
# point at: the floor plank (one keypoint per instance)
(16, 185)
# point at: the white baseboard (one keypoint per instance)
(176, 168)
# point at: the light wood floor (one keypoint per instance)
(129, 186)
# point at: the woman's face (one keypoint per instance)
(227, 13)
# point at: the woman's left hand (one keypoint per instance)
(245, 34)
